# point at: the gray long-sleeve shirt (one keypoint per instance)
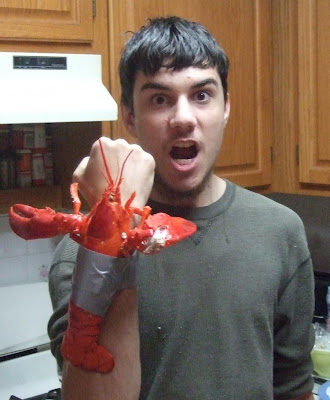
(224, 314)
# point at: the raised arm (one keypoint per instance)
(119, 331)
(120, 335)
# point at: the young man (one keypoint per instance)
(226, 313)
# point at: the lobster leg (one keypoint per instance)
(75, 197)
(80, 345)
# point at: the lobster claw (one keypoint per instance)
(34, 223)
(161, 230)
(174, 229)
(167, 231)
(31, 223)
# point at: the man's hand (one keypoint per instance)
(138, 172)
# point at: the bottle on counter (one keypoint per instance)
(22, 136)
(23, 168)
(23, 160)
(4, 138)
(7, 171)
(38, 169)
(328, 304)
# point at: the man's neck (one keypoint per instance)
(213, 190)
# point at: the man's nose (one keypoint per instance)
(183, 115)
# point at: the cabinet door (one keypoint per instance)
(51, 20)
(57, 26)
(314, 91)
(243, 28)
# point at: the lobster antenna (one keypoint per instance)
(108, 174)
(122, 167)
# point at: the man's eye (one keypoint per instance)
(202, 96)
(159, 100)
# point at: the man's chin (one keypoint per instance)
(175, 192)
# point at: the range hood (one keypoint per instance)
(48, 87)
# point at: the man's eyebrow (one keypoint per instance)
(160, 86)
(204, 82)
(154, 85)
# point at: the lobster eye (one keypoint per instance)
(111, 197)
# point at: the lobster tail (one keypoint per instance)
(80, 344)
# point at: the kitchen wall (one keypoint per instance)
(23, 261)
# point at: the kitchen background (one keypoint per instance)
(23, 261)
(277, 139)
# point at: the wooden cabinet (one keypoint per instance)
(314, 91)
(301, 76)
(57, 26)
(243, 28)
(278, 80)
(51, 20)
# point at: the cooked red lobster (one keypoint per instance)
(106, 230)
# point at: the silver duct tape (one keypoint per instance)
(97, 277)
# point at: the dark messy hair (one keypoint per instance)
(170, 42)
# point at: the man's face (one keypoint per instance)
(179, 118)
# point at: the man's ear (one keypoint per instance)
(128, 119)
(227, 109)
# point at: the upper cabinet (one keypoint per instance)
(57, 26)
(51, 20)
(314, 91)
(243, 28)
(277, 138)
(301, 97)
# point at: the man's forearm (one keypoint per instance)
(120, 335)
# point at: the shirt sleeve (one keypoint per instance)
(60, 285)
(294, 335)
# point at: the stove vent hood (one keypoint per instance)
(41, 88)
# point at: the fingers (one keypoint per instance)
(79, 175)
(120, 158)
(80, 169)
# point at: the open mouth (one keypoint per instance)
(184, 152)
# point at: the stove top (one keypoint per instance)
(30, 377)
